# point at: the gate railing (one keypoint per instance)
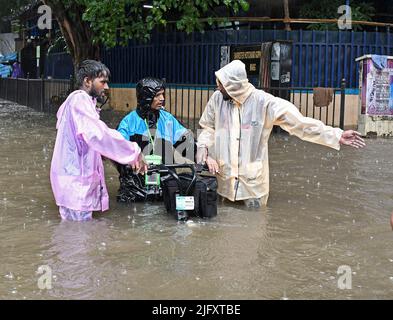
(45, 95)
(185, 102)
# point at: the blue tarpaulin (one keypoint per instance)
(5, 70)
(8, 57)
(380, 62)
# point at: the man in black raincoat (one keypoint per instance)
(156, 131)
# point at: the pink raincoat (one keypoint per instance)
(77, 171)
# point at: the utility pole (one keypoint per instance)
(286, 16)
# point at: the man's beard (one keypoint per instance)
(101, 98)
(226, 97)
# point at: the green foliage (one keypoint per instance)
(116, 22)
(327, 9)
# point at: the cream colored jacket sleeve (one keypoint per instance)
(207, 123)
(286, 115)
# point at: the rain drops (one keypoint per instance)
(9, 276)
(102, 246)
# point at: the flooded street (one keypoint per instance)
(326, 209)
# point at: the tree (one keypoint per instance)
(87, 24)
(77, 32)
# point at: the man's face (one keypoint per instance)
(158, 101)
(98, 87)
(225, 95)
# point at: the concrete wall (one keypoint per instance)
(122, 99)
(375, 125)
(194, 102)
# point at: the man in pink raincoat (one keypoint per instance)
(77, 171)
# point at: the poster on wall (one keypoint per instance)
(251, 57)
(275, 70)
(391, 92)
(379, 95)
(225, 56)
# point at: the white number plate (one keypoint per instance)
(184, 203)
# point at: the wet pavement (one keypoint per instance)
(327, 210)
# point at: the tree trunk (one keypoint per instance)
(77, 33)
(286, 16)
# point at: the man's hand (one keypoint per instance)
(352, 138)
(140, 165)
(202, 157)
(213, 165)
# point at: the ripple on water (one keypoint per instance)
(290, 250)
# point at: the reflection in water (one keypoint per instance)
(73, 251)
(326, 209)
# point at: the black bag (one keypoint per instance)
(131, 186)
(202, 188)
(170, 189)
(205, 195)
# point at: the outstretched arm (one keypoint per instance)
(288, 117)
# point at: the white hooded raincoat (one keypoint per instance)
(236, 133)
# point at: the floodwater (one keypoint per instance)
(327, 210)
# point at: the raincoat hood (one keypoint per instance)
(234, 79)
(146, 89)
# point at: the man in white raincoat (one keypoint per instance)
(236, 127)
